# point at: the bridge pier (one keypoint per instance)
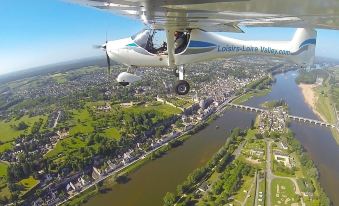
(296, 118)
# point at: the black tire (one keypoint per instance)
(182, 87)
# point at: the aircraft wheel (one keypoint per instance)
(182, 87)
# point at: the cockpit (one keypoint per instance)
(155, 41)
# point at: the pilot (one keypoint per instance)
(162, 49)
(179, 41)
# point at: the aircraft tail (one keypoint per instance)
(303, 46)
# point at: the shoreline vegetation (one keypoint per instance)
(317, 95)
(258, 88)
(311, 98)
(122, 176)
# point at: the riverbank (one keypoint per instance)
(311, 98)
(106, 184)
(316, 98)
(249, 95)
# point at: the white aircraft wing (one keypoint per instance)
(225, 15)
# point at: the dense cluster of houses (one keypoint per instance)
(33, 145)
(274, 120)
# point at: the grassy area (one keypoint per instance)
(82, 121)
(323, 104)
(327, 98)
(250, 199)
(4, 192)
(180, 102)
(247, 182)
(283, 192)
(3, 171)
(6, 146)
(66, 145)
(9, 133)
(112, 133)
(247, 96)
(59, 78)
(164, 109)
(28, 184)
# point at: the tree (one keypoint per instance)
(169, 199)
(252, 124)
(22, 126)
(38, 193)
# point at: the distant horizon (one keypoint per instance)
(78, 60)
(44, 32)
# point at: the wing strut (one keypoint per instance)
(170, 47)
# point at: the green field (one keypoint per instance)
(9, 133)
(3, 169)
(82, 122)
(323, 104)
(164, 109)
(250, 199)
(180, 102)
(68, 145)
(112, 133)
(6, 146)
(283, 192)
(59, 78)
(3, 172)
(328, 98)
(4, 191)
(247, 182)
(28, 184)
(247, 96)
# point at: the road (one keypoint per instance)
(269, 175)
(57, 119)
(256, 196)
(249, 191)
(110, 174)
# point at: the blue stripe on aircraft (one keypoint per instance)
(132, 44)
(308, 41)
(200, 44)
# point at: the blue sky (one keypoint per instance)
(41, 32)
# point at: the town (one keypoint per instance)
(37, 150)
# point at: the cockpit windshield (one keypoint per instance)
(154, 41)
(142, 38)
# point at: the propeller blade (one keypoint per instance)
(100, 47)
(97, 46)
(108, 63)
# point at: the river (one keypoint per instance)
(318, 141)
(149, 184)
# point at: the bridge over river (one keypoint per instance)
(293, 117)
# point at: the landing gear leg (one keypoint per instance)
(181, 87)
